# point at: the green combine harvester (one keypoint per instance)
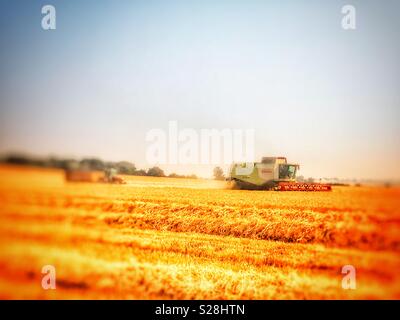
(272, 173)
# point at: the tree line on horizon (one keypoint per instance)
(122, 167)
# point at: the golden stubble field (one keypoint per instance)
(158, 238)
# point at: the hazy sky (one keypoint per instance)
(325, 97)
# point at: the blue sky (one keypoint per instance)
(324, 97)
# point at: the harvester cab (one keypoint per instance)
(272, 173)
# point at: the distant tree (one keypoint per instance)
(192, 176)
(52, 162)
(140, 173)
(125, 167)
(218, 174)
(310, 180)
(155, 172)
(92, 164)
(174, 175)
(109, 165)
(67, 164)
(19, 159)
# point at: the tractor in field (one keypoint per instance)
(272, 173)
(81, 175)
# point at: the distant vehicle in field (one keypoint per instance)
(82, 175)
(272, 173)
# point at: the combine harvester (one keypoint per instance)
(272, 173)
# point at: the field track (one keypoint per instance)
(164, 238)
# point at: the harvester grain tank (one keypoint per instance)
(272, 173)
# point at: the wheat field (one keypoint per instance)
(164, 238)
